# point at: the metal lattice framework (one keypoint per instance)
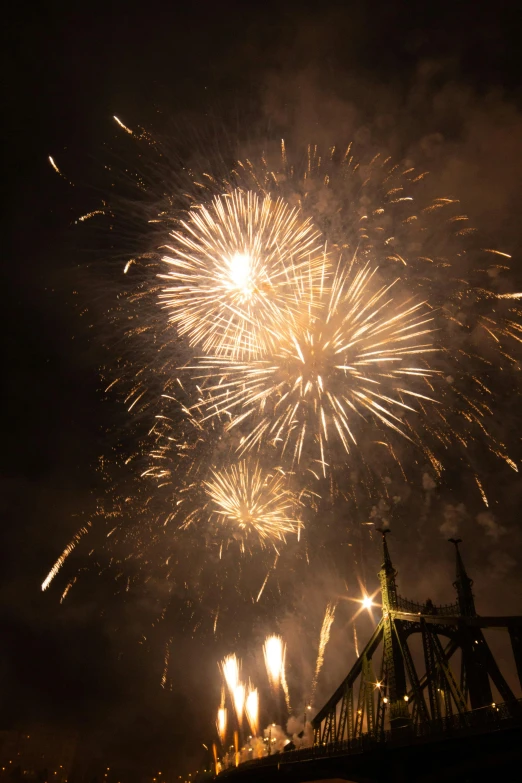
(418, 687)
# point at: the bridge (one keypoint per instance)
(430, 715)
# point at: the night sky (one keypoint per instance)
(443, 82)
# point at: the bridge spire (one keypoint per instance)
(387, 576)
(463, 584)
(393, 658)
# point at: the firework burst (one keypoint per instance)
(235, 267)
(360, 356)
(250, 500)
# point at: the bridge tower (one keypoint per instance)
(393, 665)
(463, 584)
(474, 676)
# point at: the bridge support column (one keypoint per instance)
(515, 634)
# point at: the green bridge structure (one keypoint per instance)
(429, 716)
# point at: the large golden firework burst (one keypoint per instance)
(235, 268)
(359, 356)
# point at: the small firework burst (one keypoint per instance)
(251, 500)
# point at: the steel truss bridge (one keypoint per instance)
(429, 715)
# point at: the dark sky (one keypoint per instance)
(447, 74)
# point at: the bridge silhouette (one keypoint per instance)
(430, 715)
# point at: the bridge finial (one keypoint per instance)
(463, 583)
(387, 563)
(387, 575)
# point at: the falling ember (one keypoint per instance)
(216, 762)
(166, 664)
(323, 641)
(274, 651)
(63, 557)
(482, 493)
(68, 587)
(90, 215)
(55, 167)
(355, 641)
(221, 725)
(252, 710)
(266, 578)
(120, 123)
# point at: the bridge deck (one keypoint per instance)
(493, 720)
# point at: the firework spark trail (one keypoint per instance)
(252, 709)
(274, 651)
(120, 123)
(60, 174)
(355, 641)
(239, 701)
(284, 686)
(166, 664)
(482, 493)
(67, 588)
(230, 667)
(236, 747)
(266, 578)
(236, 268)
(221, 725)
(324, 638)
(65, 554)
(246, 498)
(327, 371)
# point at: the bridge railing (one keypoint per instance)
(414, 608)
(495, 717)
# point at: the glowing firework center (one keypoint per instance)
(241, 276)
